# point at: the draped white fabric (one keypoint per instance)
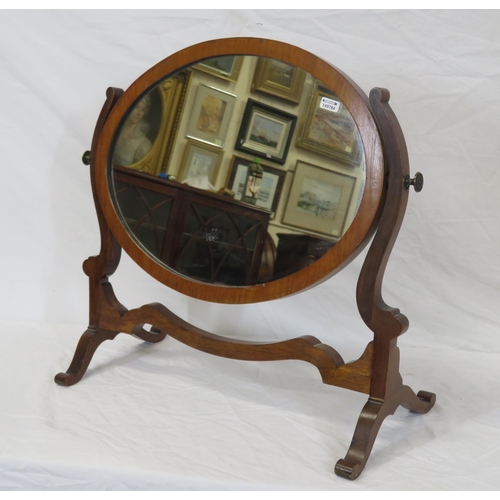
(167, 417)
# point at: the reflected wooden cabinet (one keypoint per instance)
(201, 234)
(297, 251)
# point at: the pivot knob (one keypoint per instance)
(86, 158)
(417, 182)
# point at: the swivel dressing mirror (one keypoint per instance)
(244, 170)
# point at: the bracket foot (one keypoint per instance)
(373, 414)
(89, 342)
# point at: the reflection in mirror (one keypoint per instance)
(133, 143)
(238, 170)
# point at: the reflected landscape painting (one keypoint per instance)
(318, 199)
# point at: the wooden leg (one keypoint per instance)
(421, 402)
(370, 420)
(373, 414)
(89, 342)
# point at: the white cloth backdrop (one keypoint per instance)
(168, 417)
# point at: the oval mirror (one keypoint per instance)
(241, 170)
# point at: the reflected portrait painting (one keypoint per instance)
(138, 132)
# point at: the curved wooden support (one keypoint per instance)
(387, 323)
(333, 369)
(306, 348)
(114, 318)
(387, 392)
(152, 336)
(109, 256)
(89, 342)
(373, 414)
(98, 268)
(378, 316)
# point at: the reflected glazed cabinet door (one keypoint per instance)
(204, 235)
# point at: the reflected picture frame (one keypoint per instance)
(278, 79)
(167, 106)
(210, 115)
(140, 150)
(265, 132)
(271, 188)
(329, 129)
(225, 67)
(200, 160)
(319, 200)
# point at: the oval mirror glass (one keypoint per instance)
(237, 170)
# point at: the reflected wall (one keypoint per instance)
(182, 157)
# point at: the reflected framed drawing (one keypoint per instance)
(225, 67)
(200, 164)
(279, 79)
(319, 200)
(270, 189)
(210, 115)
(329, 129)
(265, 132)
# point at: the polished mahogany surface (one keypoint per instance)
(213, 248)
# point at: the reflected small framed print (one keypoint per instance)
(278, 79)
(210, 115)
(319, 200)
(225, 67)
(265, 132)
(270, 189)
(200, 164)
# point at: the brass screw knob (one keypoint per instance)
(417, 182)
(86, 158)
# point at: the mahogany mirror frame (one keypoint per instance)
(380, 215)
(351, 243)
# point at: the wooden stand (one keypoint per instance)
(375, 373)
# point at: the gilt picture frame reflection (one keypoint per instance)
(145, 143)
(138, 134)
(279, 79)
(319, 200)
(329, 129)
(265, 132)
(211, 115)
(225, 67)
